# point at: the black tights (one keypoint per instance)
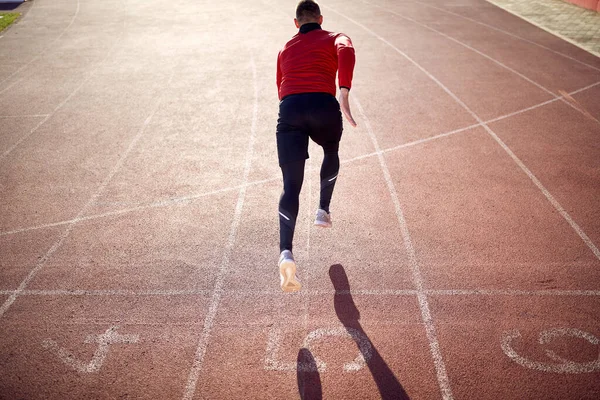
(293, 176)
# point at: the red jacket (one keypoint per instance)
(309, 61)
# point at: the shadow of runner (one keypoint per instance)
(309, 381)
(346, 310)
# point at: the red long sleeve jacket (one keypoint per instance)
(309, 61)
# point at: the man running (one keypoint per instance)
(306, 71)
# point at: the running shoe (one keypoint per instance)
(287, 272)
(323, 219)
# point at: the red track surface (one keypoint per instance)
(139, 186)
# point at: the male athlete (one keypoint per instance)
(306, 71)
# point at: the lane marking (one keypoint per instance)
(539, 86)
(160, 204)
(460, 130)
(547, 194)
(511, 292)
(307, 293)
(521, 165)
(507, 33)
(62, 103)
(50, 45)
(578, 105)
(104, 341)
(217, 293)
(114, 292)
(42, 261)
(25, 116)
(434, 346)
(561, 365)
(271, 362)
(191, 198)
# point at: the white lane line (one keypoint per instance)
(584, 88)
(539, 86)
(116, 292)
(217, 293)
(160, 204)
(307, 293)
(25, 116)
(434, 346)
(547, 194)
(50, 45)
(532, 22)
(40, 264)
(466, 128)
(191, 198)
(507, 33)
(35, 128)
(501, 292)
(48, 116)
(446, 134)
(521, 165)
(429, 139)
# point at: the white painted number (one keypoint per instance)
(560, 365)
(364, 355)
(104, 341)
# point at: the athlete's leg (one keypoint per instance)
(329, 173)
(328, 133)
(293, 175)
(292, 151)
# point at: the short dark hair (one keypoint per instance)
(307, 11)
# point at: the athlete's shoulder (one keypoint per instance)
(291, 42)
(328, 33)
(340, 34)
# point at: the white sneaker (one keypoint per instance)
(323, 219)
(287, 272)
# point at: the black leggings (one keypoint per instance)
(302, 116)
(293, 176)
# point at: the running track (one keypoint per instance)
(139, 186)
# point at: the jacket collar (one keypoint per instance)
(311, 26)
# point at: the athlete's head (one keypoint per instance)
(307, 11)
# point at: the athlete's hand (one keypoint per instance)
(345, 106)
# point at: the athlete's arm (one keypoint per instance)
(346, 61)
(279, 74)
(345, 105)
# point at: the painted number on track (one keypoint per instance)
(559, 364)
(104, 341)
(364, 354)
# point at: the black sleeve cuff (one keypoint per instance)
(345, 87)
